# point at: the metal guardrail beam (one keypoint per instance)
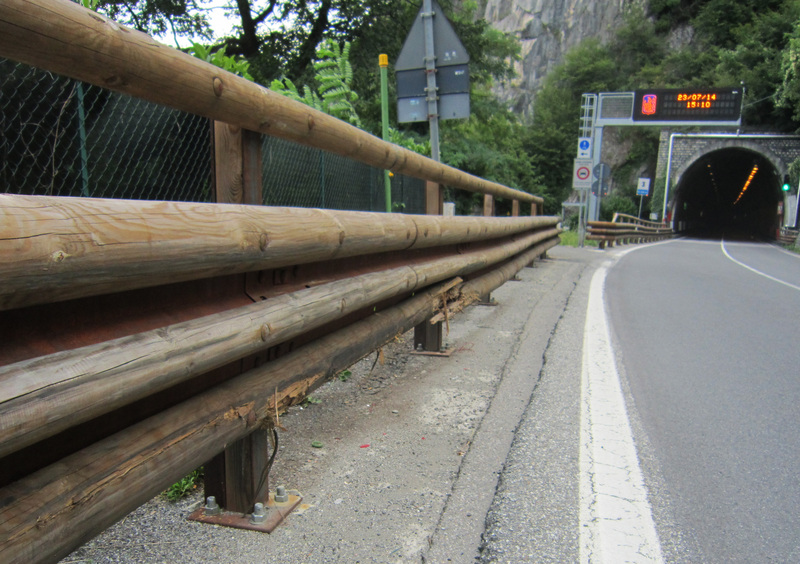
(45, 395)
(102, 482)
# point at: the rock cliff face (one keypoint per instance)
(547, 29)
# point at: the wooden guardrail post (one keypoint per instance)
(488, 211)
(488, 205)
(234, 475)
(237, 165)
(515, 208)
(427, 336)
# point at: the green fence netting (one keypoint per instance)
(62, 137)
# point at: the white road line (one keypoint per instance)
(751, 269)
(616, 523)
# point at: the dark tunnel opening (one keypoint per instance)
(731, 193)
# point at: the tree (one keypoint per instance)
(788, 92)
(550, 141)
(157, 17)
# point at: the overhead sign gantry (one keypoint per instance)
(677, 107)
(670, 107)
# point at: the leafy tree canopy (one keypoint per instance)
(156, 17)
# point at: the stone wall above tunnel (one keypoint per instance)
(687, 148)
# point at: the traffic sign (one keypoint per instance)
(600, 186)
(414, 86)
(585, 148)
(643, 187)
(582, 174)
(602, 171)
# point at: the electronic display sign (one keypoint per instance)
(688, 104)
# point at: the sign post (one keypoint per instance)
(582, 182)
(432, 83)
(383, 63)
(642, 190)
(668, 107)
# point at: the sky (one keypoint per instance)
(220, 25)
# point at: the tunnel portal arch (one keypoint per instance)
(729, 188)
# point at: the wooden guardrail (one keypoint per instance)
(47, 400)
(626, 229)
(144, 339)
(788, 236)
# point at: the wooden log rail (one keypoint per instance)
(788, 236)
(99, 484)
(49, 253)
(80, 247)
(62, 37)
(148, 336)
(626, 229)
(356, 282)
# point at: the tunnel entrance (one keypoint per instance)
(731, 193)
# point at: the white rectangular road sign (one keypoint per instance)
(584, 147)
(582, 174)
(643, 188)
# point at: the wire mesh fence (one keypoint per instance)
(299, 176)
(62, 137)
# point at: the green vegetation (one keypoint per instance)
(333, 77)
(236, 65)
(184, 486)
(755, 41)
(570, 239)
(324, 53)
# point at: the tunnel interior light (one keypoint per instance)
(746, 184)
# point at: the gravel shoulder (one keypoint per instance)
(413, 448)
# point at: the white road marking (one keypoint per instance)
(751, 269)
(616, 522)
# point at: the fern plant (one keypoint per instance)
(218, 58)
(334, 95)
(333, 75)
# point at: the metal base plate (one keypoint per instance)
(445, 353)
(276, 513)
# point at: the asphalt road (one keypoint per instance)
(706, 338)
